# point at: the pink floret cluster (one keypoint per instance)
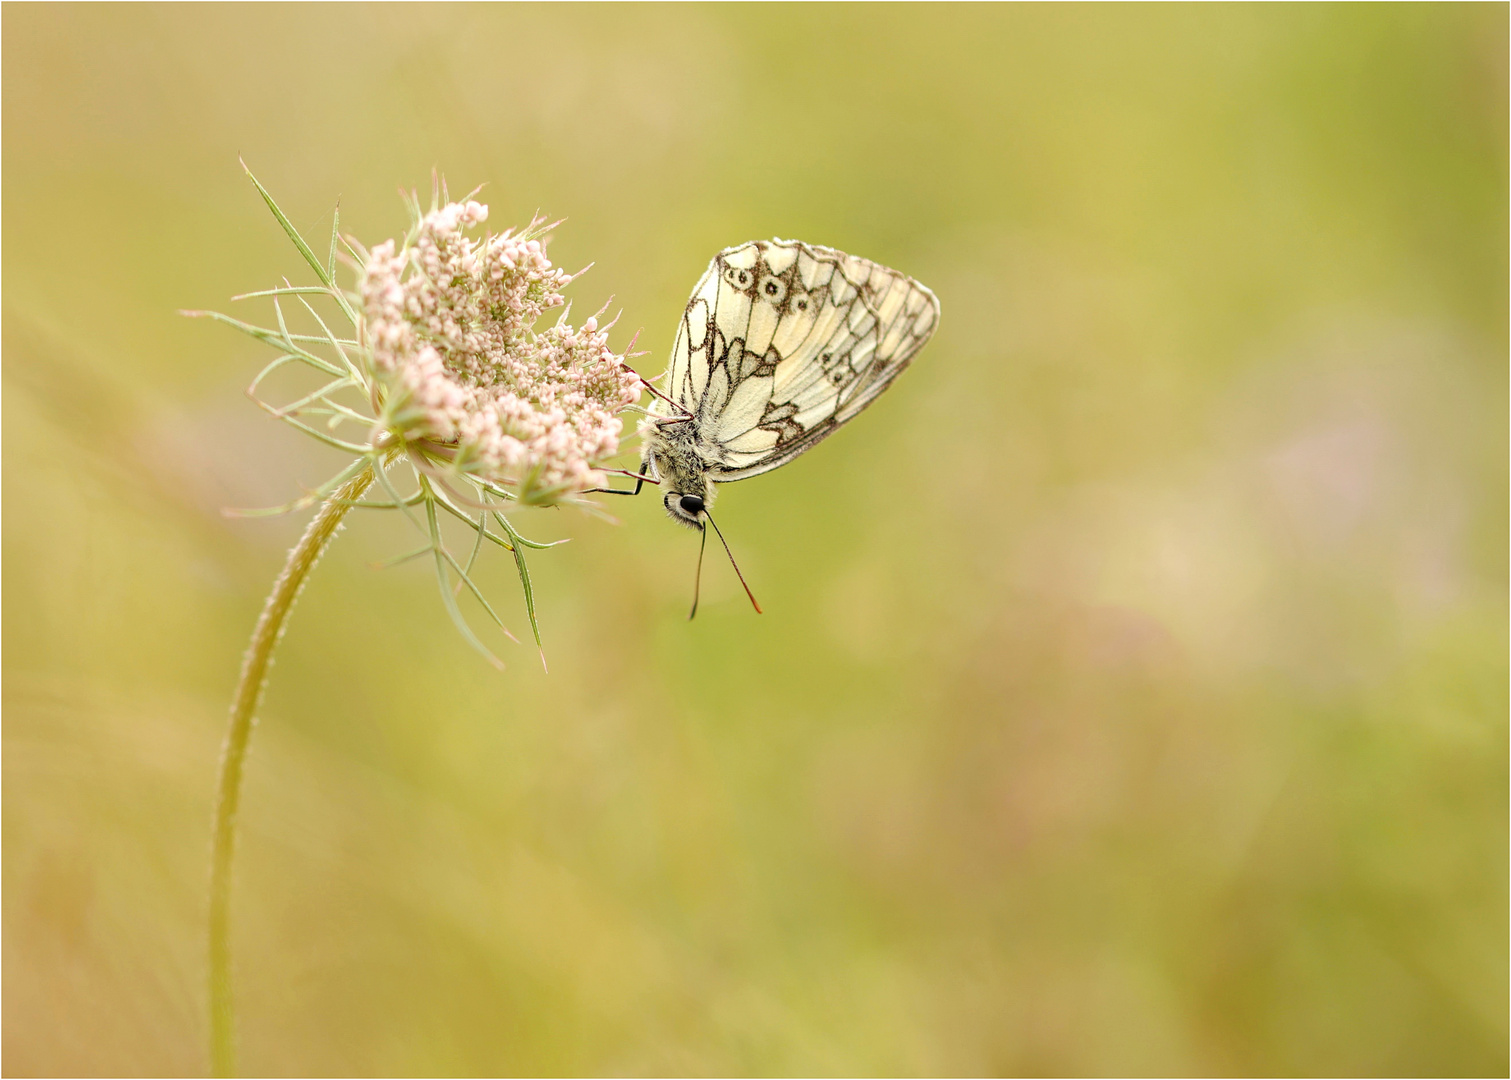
(450, 322)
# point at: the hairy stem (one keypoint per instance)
(254, 670)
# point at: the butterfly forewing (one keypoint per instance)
(783, 341)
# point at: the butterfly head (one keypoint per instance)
(688, 509)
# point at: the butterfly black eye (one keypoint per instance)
(693, 504)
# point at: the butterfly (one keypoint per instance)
(781, 344)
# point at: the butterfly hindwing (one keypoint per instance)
(782, 342)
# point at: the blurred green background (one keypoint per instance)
(1131, 696)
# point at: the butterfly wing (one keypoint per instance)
(782, 342)
(687, 375)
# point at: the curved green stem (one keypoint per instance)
(249, 689)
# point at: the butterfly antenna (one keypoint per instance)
(698, 577)
(732, 562)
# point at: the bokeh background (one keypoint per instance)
(1131, 693)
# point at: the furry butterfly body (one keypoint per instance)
(780, 345)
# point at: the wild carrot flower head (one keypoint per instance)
(461, 371)
(444, 370)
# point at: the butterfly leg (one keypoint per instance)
(640, 481)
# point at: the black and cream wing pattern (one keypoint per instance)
(783, 342)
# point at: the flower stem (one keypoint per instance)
(249, 689)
